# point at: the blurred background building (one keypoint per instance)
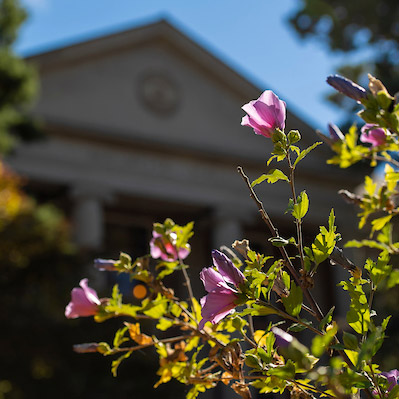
(145, 124)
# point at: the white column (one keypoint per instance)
(88, 216)
(227, 227)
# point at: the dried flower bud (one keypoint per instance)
(338, 258)
(375, 85)
(242, 247)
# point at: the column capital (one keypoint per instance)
(90, 190)
(88, 213)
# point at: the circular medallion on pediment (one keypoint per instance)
(159, 93)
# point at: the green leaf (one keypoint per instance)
(270, 384)
(321, 342)
(104, 348)
(301, 207)
(358, 316)
(393, 278)
(263, 355)
(350, 341)
(258, 310)
(273, 176)
(286, 279)
(371, 345)
(116, 363)
(379, 223)
(293, 303)
(325, 241)
(327, 318)
(380, 270)
(278, 158)
(184, 233)
(297, 327)
(119, 338)
(253, 361)
(195, 391)
(370, 186)
(192, 343)
(366, 243)
(278, 241)
(306, 152)
(295, 149)
(167, 268)
(156, 308)
(164, 324)
(394, 394)
(285, 372)
(116, 299)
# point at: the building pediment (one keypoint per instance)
(151, 84)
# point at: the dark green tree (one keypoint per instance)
(18, 82)
(350, 26)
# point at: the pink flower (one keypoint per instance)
(392, 377)
(373, 134)
(84, 302)
(164, 247)
(265, 115)
(222, 286)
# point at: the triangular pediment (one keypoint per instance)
(150, 84)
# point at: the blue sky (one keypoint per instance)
(253, 37)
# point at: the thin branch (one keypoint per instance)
(374, 381)
(392, 161)
(260, 377)
(315, 307)
(298, 223)
(138, 347)
(289, 317)
(187, 278)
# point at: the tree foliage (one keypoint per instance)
(18, 82)
(348, 26)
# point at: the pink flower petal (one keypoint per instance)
(266, 114)
(373, 134)
(216, 306)
(84, 302)
(227, 269)
(213, 280)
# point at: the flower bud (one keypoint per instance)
(347, 87)
(293, 136)
(335, 132)
(104, 264)
(90, 347)
(283, 339)
(84, 301)
(373, 134)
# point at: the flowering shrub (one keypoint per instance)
(217, 342)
